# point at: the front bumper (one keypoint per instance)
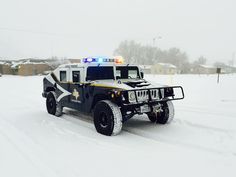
(164, 94)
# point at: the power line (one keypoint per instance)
(39, 32)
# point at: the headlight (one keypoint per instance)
(132, 97)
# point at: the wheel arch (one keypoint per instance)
(97, 98)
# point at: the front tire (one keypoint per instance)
(107, 118)
(166, 114)
(53, 107)
(152, 117)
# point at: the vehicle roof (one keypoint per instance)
(75, 65)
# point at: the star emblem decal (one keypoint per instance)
(75, 94)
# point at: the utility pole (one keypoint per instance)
(233, 58)
(155, 39)
(218, 71)
(154, 45)
(52, 47)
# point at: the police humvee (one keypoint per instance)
(112, 91)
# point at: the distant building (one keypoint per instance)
(228, 69)
(163, 68)
(204, 69)
(146, 68)
(5, 68)
(74, 60)
(29, 68)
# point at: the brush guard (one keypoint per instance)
(148, 95)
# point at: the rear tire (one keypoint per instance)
(53, 107)
(107, 118)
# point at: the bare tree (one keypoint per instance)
(136, 53)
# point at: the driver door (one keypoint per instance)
(76, 88)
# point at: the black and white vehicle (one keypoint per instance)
(111, 91)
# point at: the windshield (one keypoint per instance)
(127, 72)
(100, 73)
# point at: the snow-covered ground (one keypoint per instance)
(201, 140)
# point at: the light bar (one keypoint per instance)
(117, 60)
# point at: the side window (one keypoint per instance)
(118, 74)
(76, 76)
(63, 76)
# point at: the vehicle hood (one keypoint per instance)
(126, 84)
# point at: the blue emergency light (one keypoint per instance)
(89, 60)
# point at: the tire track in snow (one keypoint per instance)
(159, 138)
(88, 118)
(205, 111)
(21, 144)
(201, 126)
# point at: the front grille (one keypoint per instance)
(154, 94)
(143, 95)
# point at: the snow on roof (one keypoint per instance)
(168, 65)
(145, 66)
(207, 66)
(16, 64)
(33, 62)
(4, 63)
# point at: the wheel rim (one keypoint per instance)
(166, 111)
(103, 120)
(50, 103)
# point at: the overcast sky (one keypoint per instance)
(75, 28)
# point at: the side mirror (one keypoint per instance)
(142, 74)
